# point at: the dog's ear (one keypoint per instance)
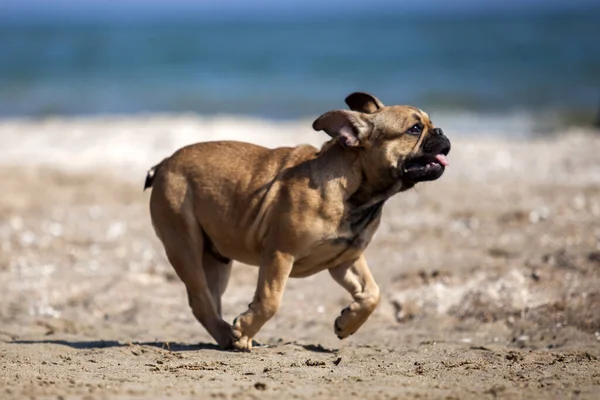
(346, 126)
(363, 102)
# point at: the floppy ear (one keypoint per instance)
(363, 102)
(346, 126)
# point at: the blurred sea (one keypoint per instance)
(516, 71)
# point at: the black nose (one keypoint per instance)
(437, 131)
(447, 148)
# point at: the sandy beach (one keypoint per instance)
(490, 277)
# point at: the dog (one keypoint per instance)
(291, 211)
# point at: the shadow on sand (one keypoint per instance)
(103, 344)
(171, 346)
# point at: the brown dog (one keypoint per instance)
(292, 211)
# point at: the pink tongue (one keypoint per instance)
(442, 159)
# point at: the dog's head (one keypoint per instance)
(396, 140)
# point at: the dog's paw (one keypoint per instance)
(240, 341)
(242, 344)
(348, 322)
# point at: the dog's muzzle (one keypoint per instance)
(431, 162)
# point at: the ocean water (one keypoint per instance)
(514, 70)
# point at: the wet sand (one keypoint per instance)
(490, 278)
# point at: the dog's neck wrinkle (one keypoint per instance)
(361, 190)
(373, 190)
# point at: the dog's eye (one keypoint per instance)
(415, 129)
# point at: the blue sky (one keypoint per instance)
(139, 8)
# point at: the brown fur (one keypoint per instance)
(292, 211)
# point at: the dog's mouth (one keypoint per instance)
(428, 167)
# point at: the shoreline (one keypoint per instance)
(133, 144)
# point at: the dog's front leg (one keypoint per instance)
(356, 278)
(273, 273)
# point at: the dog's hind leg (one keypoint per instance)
(182, 238)
(356, 278)
(217, 273)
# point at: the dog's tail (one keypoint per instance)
(151, 174)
